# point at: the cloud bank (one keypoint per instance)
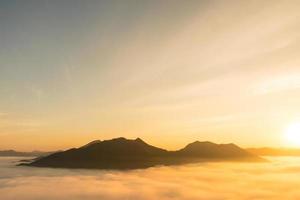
(214, 181)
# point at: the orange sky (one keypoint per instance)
(170, 72)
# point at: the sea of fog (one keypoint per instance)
(276, 180)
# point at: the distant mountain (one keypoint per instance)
(12, 153)
(212, 150)
(121, 153)
(267, 151)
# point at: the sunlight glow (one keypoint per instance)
(292, 134)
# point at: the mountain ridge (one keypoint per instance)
(122, 153)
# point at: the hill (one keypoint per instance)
(212, 150)
(121, 153)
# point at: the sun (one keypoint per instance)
(292, 134)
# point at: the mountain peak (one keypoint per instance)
(122, 153)
(200, 143)
(119, 139)
(139, 140)
(213, 150)
(91, 143)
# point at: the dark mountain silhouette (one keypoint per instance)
(121, 153)
(212, 150)
(93, 142)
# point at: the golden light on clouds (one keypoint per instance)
(206, 181)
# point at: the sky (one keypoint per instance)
(170, 72)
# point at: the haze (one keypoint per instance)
(209, 181)
(170, 72)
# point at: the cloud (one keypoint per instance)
(279, 84)
(210, 181)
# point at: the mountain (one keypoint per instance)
(267, 151)
(93, 142)
(212, 150)
(8, 153)
(121, 153)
